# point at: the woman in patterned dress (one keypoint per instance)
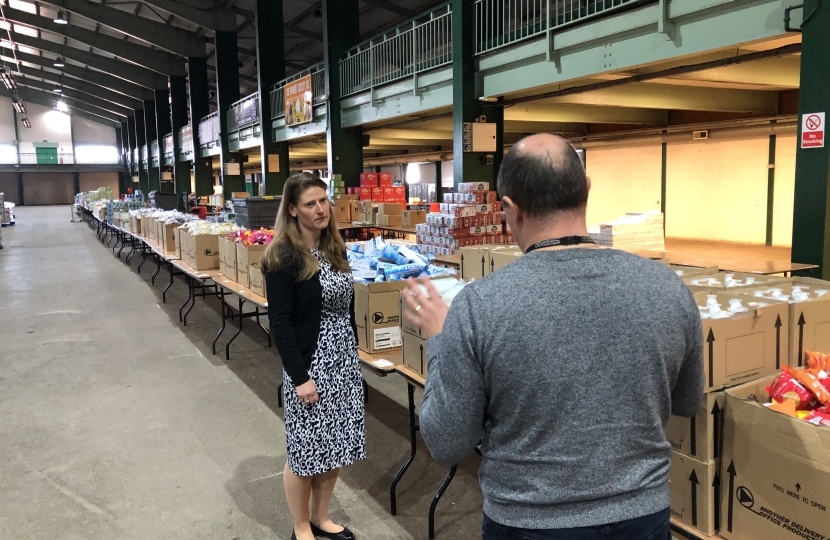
(311, 316)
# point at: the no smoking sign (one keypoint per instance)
(812, 130)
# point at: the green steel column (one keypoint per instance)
(178, 117)
(270, 47)
(770, 189)
(199, 108)
(439, 197)
(141, 140)
(663, 183)
(341, 31)
(163, 127)
(151, 131)
(76, 181)
(227, 85)
(811, 226)
(123, 179)
(20, 199)
(467, 166)
(131, 146)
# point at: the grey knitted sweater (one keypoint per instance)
(566, 366)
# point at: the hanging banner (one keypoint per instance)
(298, 102)
(246, 113)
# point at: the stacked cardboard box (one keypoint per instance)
(201, 251)
(366, 212)
(632, 231)
(246, 256)
(411, 218)
(378, 315)
(463, 225)
(730, 281)
(389, 215)
(343, 206)
(338, 185)
(479, 261)
(378, 187)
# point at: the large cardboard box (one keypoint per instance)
(694, 493)
(342, 211)
(502, 256)
(809, 328)
(684, 272)
(177, 238)
(378, 315)
(187, 247)
(390, 209)
(222, 249)
(245, 256)
(147, 227)
(257, 279)
(414, 353)
(230, 259)
(168, 237)
(410, 218)
(746, 346)
(407, 325)
(716, 281)
(205, 254)
(389, 221)
(135, 224)
(774, 473)
(474, 262)
(701, 436)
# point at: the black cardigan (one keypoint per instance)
(294, 313)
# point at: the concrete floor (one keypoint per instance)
(117, 422)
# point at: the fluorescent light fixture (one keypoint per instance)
(26, 123)
(61, 106)
(61, 18)
(8, 80)
(19, 107)
(57, 91)
(59, 62)
(413, 173)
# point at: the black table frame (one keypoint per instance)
(228, 314)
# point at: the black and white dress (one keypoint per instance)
(329, 434)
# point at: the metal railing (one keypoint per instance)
(244, 112)
(209, 129)
(499, 23)
(416, 46)
(186, 139)
(39, 159)
(318, 89)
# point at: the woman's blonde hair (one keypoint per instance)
(289, 247)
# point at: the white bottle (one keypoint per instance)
(750, 280)
(736, 306)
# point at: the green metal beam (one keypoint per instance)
(130, 72)
(393, 8)
(81, 86)
(74, 94)
(84, 73)
(159, 61)
(223, 19)
(49, 99)
(165, 36)
(546, 111)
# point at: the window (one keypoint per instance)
(8, 154)
(96, 154)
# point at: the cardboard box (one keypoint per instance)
(684, 272)
(343, 211)
(389, 221)
(378, 315)
(384, 179)
(377, 193)
(746, 346)
(390, 209)
(365, 194)
(135, 224)
(177, 238)
(774, 473)
(474, 262)
(693, 493)
(187, 248)
(168, 237)
(348, 197)
(809, 328)
(354, 210)
(407, 325)
(414, 353)
(222, 260)
(160, 233)
(245, 257)
(257, 279)
(147, 227)
(411, 218)
(205, 254)
(230, 259)
(701, 436)
(699, 283)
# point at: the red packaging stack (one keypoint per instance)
(384, 179)
(368, 180)
(365, 193)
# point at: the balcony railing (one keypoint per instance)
(209, 129)
(318, 89)
(422, 44)
(244, 112)
(186, 142)
(499, 23)
(41, 159)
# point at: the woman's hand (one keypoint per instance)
(307, 392)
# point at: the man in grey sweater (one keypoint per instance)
(565, 365)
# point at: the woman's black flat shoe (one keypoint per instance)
(293, 536)
(345, 534)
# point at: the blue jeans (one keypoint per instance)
(653, 527)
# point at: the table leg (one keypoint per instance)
(224, 317)
(123, 245)
(413, 429)
(241, 318)
(192, 300)
(132, 250)
(279, 395)
(143, 258)
(437, 498)
(169, 283)
(267, 333)
(365, 390)
(190, 288)
(158, 269)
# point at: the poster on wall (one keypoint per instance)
(298, 102)
(246, 113)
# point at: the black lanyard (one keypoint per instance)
(565, 241)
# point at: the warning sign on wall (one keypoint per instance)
(812, 130)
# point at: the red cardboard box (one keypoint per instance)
(385, 179)
(400, 192)
(388, 193)
(362, 177)
(365, 194)
(377, 194)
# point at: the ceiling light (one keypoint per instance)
(61, 18)
(7, 79)
(318, 14)
(58, 91)
(26, 123)
(59, 62)
(19, 107)
(61, 106)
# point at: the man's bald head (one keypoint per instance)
(542, 174)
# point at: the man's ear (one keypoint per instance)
(514, 210)
(588, 181)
